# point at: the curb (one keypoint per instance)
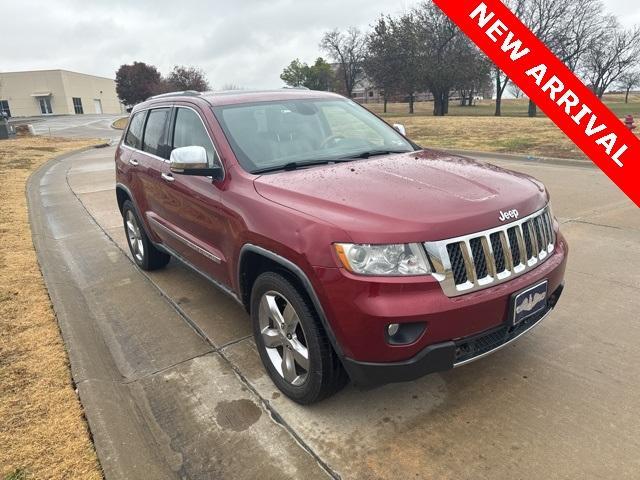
(114, 122)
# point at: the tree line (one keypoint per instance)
(424, 51)
(139, 81)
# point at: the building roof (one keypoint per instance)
(56, 70)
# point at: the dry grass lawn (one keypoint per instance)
(529, 136)
(120, 123)
(537, 137)
(43, 434)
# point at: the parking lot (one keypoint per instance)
(173, 387)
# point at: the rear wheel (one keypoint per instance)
(291, 341)
(144, 253)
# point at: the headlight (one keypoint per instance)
(384, 260)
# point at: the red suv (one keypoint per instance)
(357, 253)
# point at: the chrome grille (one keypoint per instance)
(484, 259)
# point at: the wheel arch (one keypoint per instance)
(122, 195)
(254, 260)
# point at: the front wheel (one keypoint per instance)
(292, 344)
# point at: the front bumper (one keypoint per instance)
(359, 309)
(445, 355)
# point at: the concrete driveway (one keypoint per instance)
(74, 126)
(173, 387)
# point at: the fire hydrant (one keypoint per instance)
(628, 121)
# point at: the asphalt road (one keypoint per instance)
(173, 387)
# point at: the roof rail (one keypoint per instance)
(184, 93)
(287, 87)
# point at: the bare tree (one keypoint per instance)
(347, 49)
(447, 58)
(183, 78)
(515, 91)
(613, 53)
(628, 81)
(574, 36)
(546, 19)
(501, 79)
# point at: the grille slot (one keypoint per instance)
(513, 242)
(527, 240)
(457, 263)
(473, 262)
(498, 252)
(537, 223)
(478, 257)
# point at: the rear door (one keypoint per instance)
(151, 160)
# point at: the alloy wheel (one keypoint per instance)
(135, 236)
(283, 338)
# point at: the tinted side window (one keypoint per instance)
(154, 132)
(134, 134)
(189, 131)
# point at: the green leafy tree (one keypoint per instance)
(318, 76)
(295, 75)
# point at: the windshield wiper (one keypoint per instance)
(375, 153)
(295, 165)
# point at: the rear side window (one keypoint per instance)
(190, 131)
(134, 134)
(154, 132)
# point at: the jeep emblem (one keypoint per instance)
(511, 214)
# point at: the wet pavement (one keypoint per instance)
(167, 362)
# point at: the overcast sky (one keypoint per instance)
(246, 43)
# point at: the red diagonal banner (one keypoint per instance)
(553, 87)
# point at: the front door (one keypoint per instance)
(98, 104)
(194, 211)
(45, 105)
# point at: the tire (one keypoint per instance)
(144, 253)
(282, 344)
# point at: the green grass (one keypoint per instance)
(18, 474)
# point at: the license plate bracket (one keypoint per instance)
(528, 302)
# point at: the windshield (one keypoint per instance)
(269, 135)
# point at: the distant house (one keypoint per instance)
(365, 91)
(56, 92)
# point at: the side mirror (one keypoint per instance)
(399, 127)
(193, 161)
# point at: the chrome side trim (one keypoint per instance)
(538, 227)
(185, 241)
(500, 347)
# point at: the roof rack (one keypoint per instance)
(287, 87)
(184, 93)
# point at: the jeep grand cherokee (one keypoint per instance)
(357, 253)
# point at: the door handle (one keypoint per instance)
(133, 162)
(167, 177)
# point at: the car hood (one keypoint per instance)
(418, 196)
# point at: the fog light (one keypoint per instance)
(404, 333)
